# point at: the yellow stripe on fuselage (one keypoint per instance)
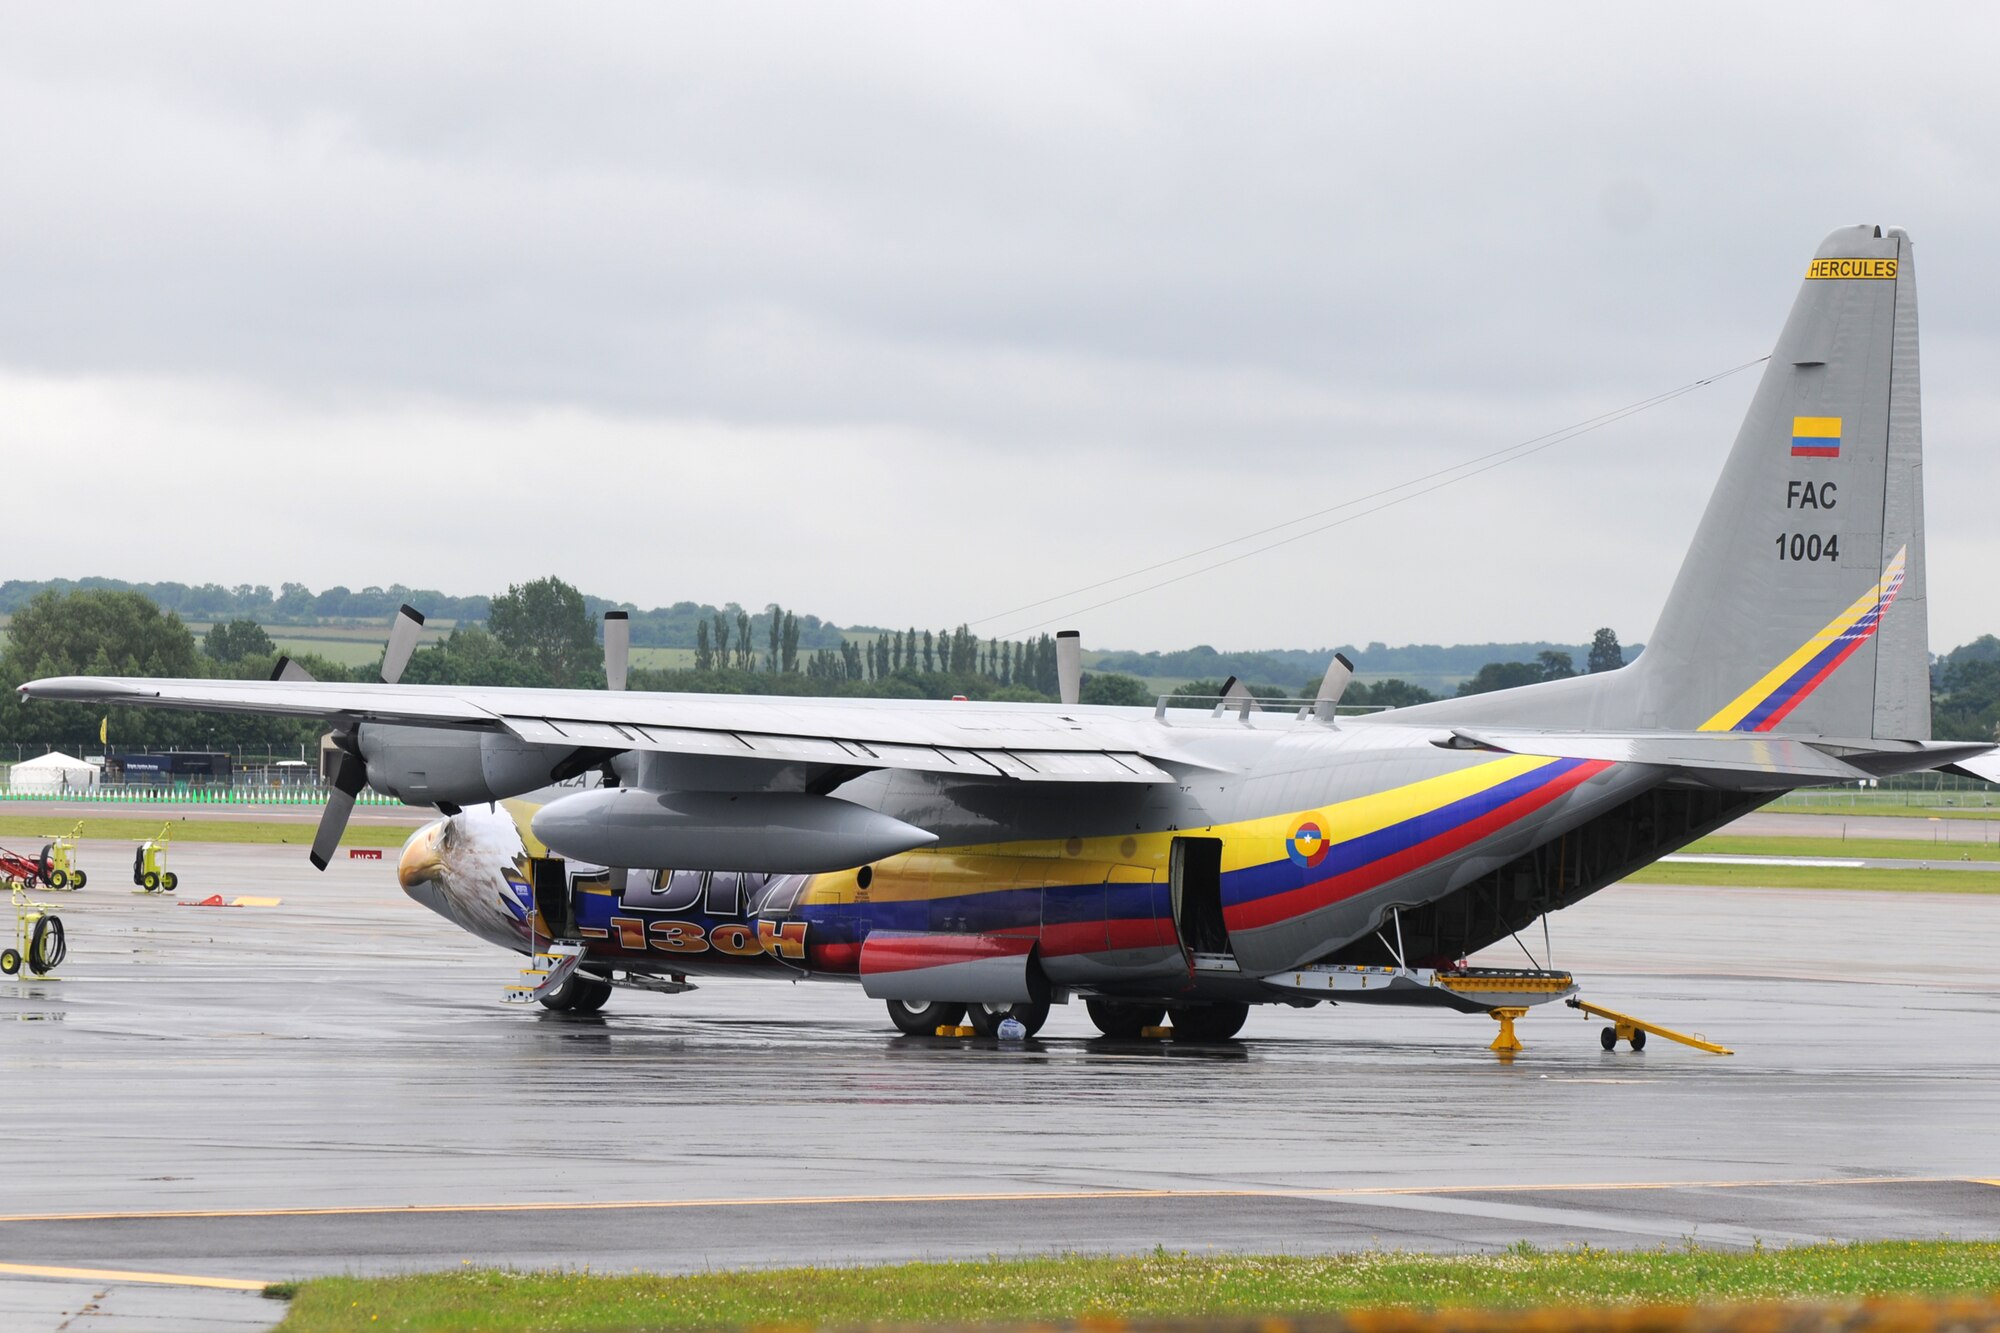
(923, 876)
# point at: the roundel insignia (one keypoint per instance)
(1307, 844)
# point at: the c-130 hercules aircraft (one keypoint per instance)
(999, 857)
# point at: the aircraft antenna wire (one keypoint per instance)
(1441, 478)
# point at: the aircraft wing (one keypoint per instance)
(1736, 758)
(1026, 742)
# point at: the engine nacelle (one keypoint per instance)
(791, 833)
(430, 766)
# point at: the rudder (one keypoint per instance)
(1800, 607)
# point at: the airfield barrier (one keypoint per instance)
(187, 795)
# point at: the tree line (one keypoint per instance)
(545, 633)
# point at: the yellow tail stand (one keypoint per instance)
(1633, 1031)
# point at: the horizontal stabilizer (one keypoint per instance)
(1728, 758)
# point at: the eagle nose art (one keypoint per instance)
(419, 864)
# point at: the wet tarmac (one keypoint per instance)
(333, 1084)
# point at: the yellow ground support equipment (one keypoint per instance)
(59, 867)
(1506, 1042)
(39, 941)
(149, 865)
(1633, 1031)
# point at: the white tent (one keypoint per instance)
(54, 772)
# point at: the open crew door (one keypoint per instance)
(1195, 875)
(552, 900)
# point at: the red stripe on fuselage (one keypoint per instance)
(1297, 902)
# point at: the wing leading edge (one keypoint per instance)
(1021, 742)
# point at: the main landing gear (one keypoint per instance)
(923, 1020)
(986, 1018)
(1124, 1019)
(1196, 1022)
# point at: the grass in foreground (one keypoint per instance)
(1159, 1285)
(27, 833)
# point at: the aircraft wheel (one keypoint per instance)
(986, 1018)
(1122, 1018)
(150, 882)
(923, 1020)
(10, 961)
(1639, 1039)
(57, 879)
(1209, 1022)
(1608, 1039)
(590, 994)
(80, 880)
(170, 881)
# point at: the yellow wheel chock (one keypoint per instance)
(1632, 1031)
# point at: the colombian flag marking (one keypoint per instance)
(1815, 437)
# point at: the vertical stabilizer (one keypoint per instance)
(1800, 606)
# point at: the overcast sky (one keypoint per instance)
(921, 313)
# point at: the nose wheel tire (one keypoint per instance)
(1121, 1018)
(580, 994)
(1208, 1022)
(986, 1018)
(913, 1019)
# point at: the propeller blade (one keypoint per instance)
(1236, 692)
(617, 648)
(1332, 686)
(402, 642)
(1069, 666)
(287, 669)
(348, 775)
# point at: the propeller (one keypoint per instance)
(1069, 665)
(350, 771)
(617, 648)
(1332, 686)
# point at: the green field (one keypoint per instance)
(1159, 1285)
(1897, 849)
(1983, 804)
(26, 833)
(1820, 877)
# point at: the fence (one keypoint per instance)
(190, 794)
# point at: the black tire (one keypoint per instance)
(56, 879)
(1123, 1018)
(170, 881)
(1639, 1039)
(150, 882)
(47, 946)
(139, 866)
(560, 1000)
(80, 880)
(10, 961)
(923, 1020)
(591, 994)
(986, 1019)
(45, 861)
(1208, 1022)
(1608, 1039)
